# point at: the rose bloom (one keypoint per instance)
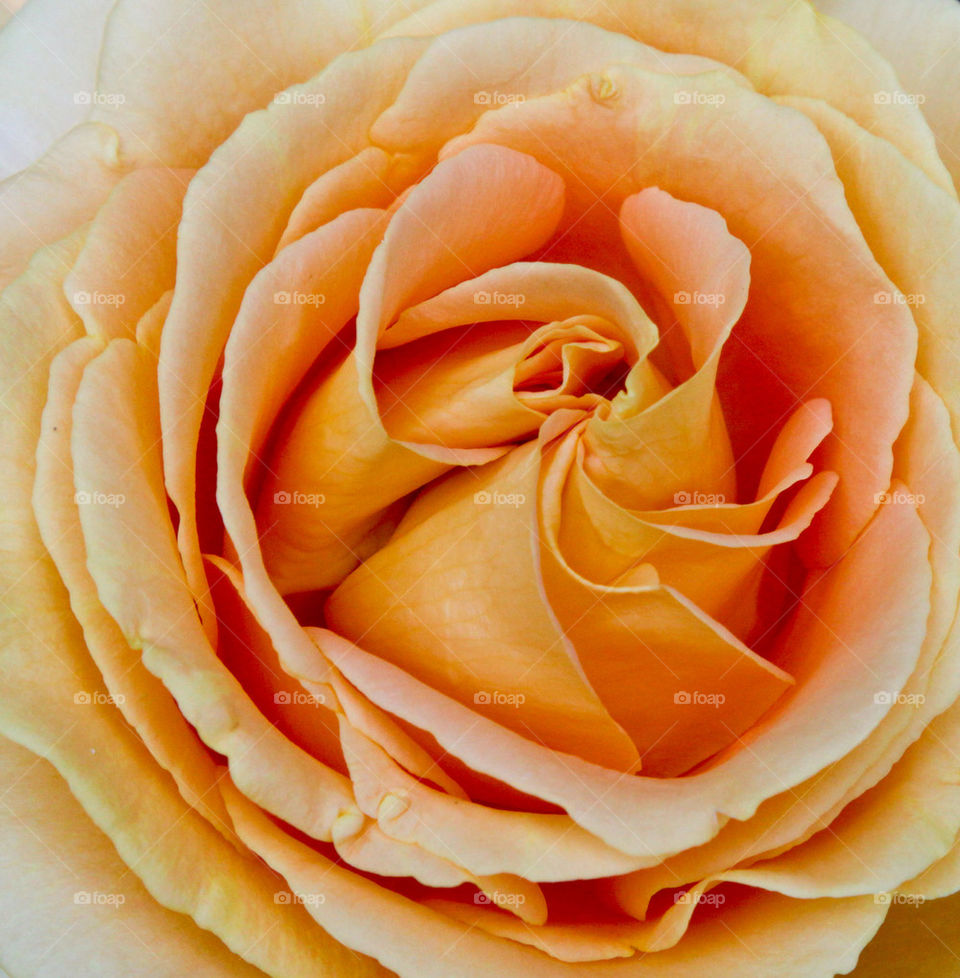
(480, 488)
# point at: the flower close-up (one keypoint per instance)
(480, 488)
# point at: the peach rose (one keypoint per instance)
(480, 491)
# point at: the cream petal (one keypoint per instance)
(772, 42)
(176, 111)
(48, 74)
(89, 743)
(58, 193)
(129, 257)
(69, 903)
(919, 40)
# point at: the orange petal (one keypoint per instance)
(454, 599)
(754, 182)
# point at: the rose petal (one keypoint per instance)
(129, 257)
(141, 698)
(116, 451)
(765, 373)
(273, 156)
(427, 247)
(919, 39)
(57, 866)
(648, 652)
(774, 932)
(174, 110)
(454, 599)
(91, 745)
(58, 193)
(772, 42)
(48, 73)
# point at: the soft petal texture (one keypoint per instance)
(54, 855)
(506, 206)
(176, 110)
(642, 456)
(786, 159)
(273, 156)
(454, 598)
(774, 933)
(48, 73)
(772, 42)
(91, 746)
(142, 699)
(62, 190)
(129, 257)
(920, 39)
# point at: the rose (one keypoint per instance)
(821, 808)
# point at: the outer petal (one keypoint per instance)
(55, 867)
(772, 42)
(59, 192)
(772, 937)
(176, 107)
(48, 74)
(921, 39)
(43, 650)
